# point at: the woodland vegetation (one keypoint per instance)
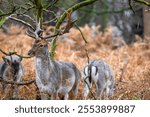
(77, 37)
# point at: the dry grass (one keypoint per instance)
(136, 82)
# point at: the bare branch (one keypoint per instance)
(130, 5)
(22, 56)
(51, 13)
(123, 70)
(83, 37)
(70, 23)
(64, 15)
(17, 83)
(49, 6)
(90, 88)
(72, 9)
(85, 43)
(52, 20)
(143, 2)
(138, 1)
(7, 14)
(13, 53)
(28, 9)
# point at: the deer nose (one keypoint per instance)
(29, 53)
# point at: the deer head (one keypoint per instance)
(10, 60)
(38, 47)
(12, 63)
(40, 43)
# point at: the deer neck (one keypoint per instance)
(43, 61)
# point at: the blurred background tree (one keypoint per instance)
(127, 17)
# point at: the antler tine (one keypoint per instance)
(47, 37)
(36, 34)
(21, 21)
(38, 31)
(30, 34)
(31, 30)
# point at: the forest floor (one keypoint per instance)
(131, 63)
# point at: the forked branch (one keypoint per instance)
(143, 2)
(9, 13)
(138, 1)
(13, 53)
(65, 14)
(72, 9)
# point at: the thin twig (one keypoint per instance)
(28, 9)
(90, 88)
(120, 96)
(88, 58)
(16, 83)
(143, 2)
(14, 53)
(72, 9)
(49, 6)
(52, 20)
(123, 70)
(69, 10)
(85, 43)
(7, 14)
(51, 13)
(130, 5)
(81, 33)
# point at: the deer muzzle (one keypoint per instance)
(31, 53)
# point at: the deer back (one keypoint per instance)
(106, 76)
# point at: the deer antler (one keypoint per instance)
(37, 31)
(21, 21)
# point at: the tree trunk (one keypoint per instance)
(146, 14)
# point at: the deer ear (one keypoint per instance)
(6, 60)
(94, 70)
